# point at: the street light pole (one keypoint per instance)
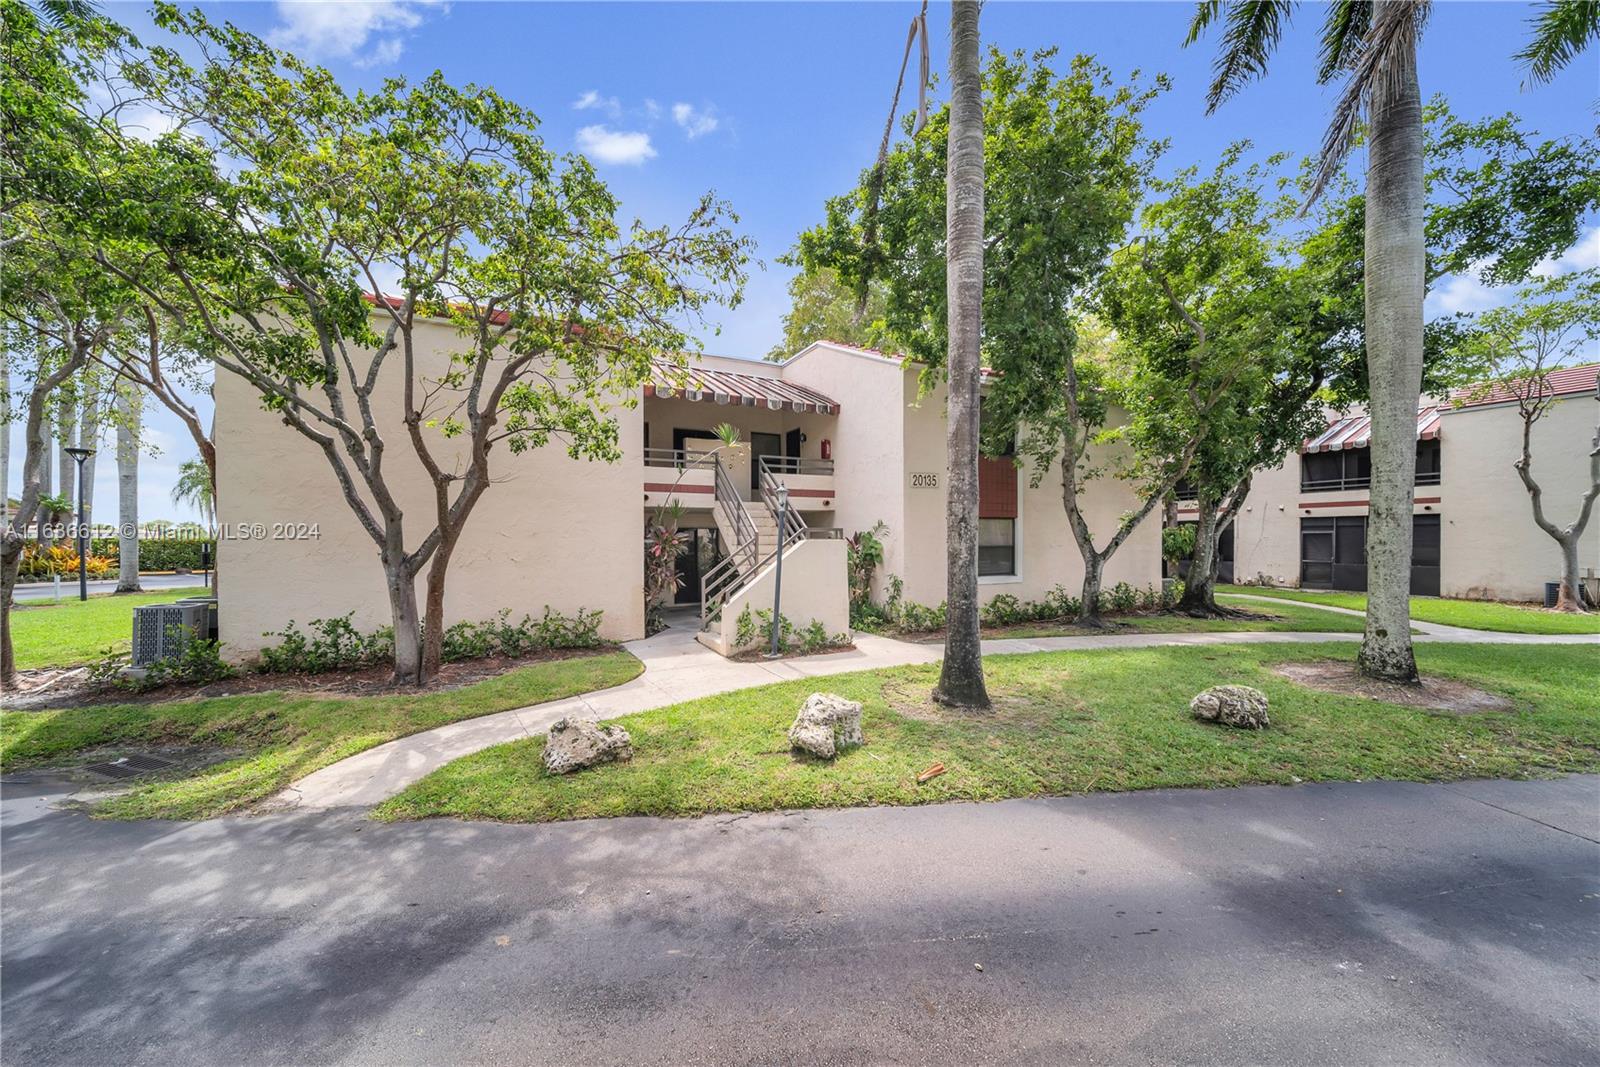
(777, 577)
(81, 454)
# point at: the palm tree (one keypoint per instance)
(1374, 47)
(129, 400)
(194, 487)
(961, 677)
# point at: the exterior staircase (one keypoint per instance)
(749, 532)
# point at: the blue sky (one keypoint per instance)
(778, 106)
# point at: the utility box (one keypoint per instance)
(160, 631)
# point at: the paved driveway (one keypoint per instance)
(1357, 923)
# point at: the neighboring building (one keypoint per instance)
(843, 428)
(1304, 523)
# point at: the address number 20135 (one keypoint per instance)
(924, 481)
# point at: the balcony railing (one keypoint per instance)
(678, 458)
(795, 465)
(1320, 485)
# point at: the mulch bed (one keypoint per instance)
(68, 687)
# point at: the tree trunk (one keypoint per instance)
(66, 427)
(88, 437)
(45, 438)
(961, 677)
(403, 613)
(1571, 596)
(433, 609)
(128, 426)
(1199, 587)
(1394, 292)
(1094, 568)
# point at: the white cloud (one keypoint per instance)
(1462, 292)
(652, 110)
(368, 33)
(593, 101)
(625, 147)
(696, 122)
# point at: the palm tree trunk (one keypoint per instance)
(88, 437)
(5, 447)
(961, 677)
(1394, 291)
(128, 427)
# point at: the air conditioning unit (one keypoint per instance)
(161, 630)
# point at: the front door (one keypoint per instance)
(699, 555)
(762, 444)
(791, 445)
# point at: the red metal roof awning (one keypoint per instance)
(1355, 431)
(731, 387)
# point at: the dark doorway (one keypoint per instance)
(1225, 555)
(700, 553)
(1333, 553)
(762, 444)
(791, 444)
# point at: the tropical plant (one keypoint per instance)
(863, 554)
(194, 487)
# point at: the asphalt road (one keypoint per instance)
(1354, 923)
(37, 591)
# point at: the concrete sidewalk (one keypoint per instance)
(678, 668)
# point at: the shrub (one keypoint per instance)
(501, 637)
(1121, 600)
(335, 644)
(39, 562)
(919, 619)
(198, 661)
(1177, 542)
(864, 551)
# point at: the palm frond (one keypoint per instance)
(1253, 28)
(1346, 27)
(1389, 50)
(1560, 31)
(62, 13)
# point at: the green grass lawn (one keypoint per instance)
(1065, 722)
(283, 735)
(79, 631)
(1288, 617)
(1472, 614)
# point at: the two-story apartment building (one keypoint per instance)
(1304, 522)
(845, 431)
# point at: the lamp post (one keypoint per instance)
(777, 577)
(81, 454)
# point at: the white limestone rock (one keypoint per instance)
(826, 724)
(1232, 705)
(577, 743)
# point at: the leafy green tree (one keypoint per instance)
(58, 309)
(1066, 163)
(263, 234)
(1552, 322)
(821, 309)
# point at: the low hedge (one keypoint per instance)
(161, 553)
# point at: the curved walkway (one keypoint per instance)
(679, 668)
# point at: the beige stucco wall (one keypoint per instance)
(1489, 545)
(551, 530)
(815, 587)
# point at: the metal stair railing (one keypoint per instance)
(769, 496)
(743, 555)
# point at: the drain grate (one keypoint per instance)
(129, 766)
